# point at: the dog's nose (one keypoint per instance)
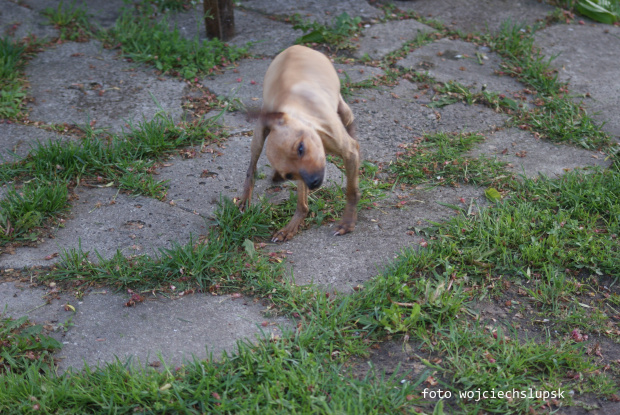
(312, 180)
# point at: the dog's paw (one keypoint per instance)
(284, 235)
(344, 227)
(241, 203)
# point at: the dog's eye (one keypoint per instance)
(288, 176)
(301, 149)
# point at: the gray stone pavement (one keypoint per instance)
(65, 83)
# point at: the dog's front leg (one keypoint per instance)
(351, 165)
(258, 141)
(301, 212)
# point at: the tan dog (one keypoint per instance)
(304, 117)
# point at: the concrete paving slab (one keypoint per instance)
(527, 154)
(478, 15)
(339, 263)
(456, 60)
(101, 13)
(20, 21)
(323, 11)
(17, 140)
(102, 328)
(382, 38)
(587, 58)
(272, 38)
(386, 119)
(82, 82)
(105, 220)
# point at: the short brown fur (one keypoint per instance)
(304, 117)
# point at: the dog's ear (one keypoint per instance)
(271, 119)
(277, 177)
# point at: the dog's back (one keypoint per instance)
(300, 74)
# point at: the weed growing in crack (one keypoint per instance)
(11, 89)
(72, 21)
(439, 159)
(24, 210)
(339, 34)
(25, 349)
(556, 116)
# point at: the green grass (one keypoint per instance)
(568, 223)
(556, 116)
(125, 161)
(480, 359)
(24, 348)
(71, 20)
(11, 87)
(175, 5)
(440, 159)
(23, 210)
(428, 295)
(338, 34)
(216, 262)
(151, 41)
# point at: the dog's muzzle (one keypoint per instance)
(312, 180)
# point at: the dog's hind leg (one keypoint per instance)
(301, 212)
(350, 152)
(351, 160)
(258, 141)
(346, 116)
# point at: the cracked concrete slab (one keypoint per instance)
(587, 58)
(382, 38)
(463, 62)
(17, 140)
(340, 263)
(82, 82)
(20, 21)
(478, 15)
(103, 329)
(526, 154)
(386, 119)
(105, 220)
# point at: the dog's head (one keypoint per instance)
(294, 149)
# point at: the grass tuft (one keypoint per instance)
(25, 350)
(439, 159)
(23, 210)
(72, 21)
(11, 89)
(145, 40)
